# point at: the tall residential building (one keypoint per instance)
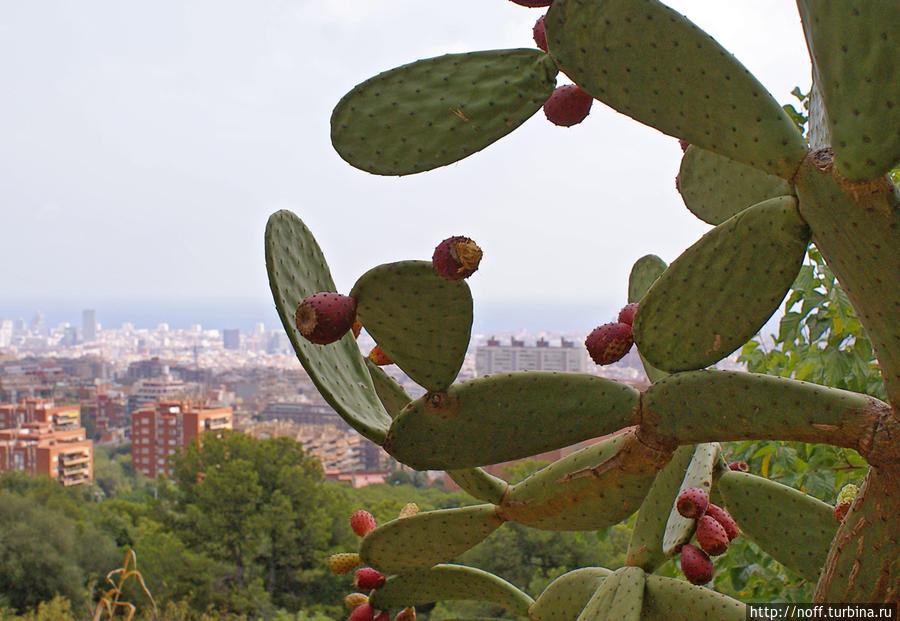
(43, 439)
(231, 338)
(168, 427)
(497, 358)
(89, 325)
(150, 390)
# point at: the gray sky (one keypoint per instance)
(144, 144)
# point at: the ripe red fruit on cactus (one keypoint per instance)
(609, 343)
(626, 315)
(568, 105)
(362, 522)
(840, 510)
(533, 4)
(363, 613)
(379, 357)
(695, 565)
(711, 536)
(739, 466)
(540, 36)
(325, 317)
(692, 502)
(368, 579)
(722, 516)
(456, 258)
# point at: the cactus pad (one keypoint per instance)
(459, 428)
(855, 48)
(446, 583)
(427, 538)
(296, 270)
(699, 473)
(646, 547)
(651, 63)
(566, 597)
(714, 188)
(437, 111)
(667, 598)
(723, 289)
(774, 515)
(644, 273)
(620, 597)
(567, 495)
(421, 321)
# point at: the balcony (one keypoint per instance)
(219, 422)
(77, 478)
(73, 459)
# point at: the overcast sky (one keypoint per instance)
(143, 145)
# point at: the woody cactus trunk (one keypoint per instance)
(751, 174)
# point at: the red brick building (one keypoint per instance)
(40, 438)
(167, 427)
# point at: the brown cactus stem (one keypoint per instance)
(863, 564)
(856, 226)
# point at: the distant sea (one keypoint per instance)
(490, 316)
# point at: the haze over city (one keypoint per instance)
(145, 144)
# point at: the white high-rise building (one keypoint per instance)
(497, 358)
(88, 325)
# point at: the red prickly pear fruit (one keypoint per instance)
(379, 357)
(325, 317)
(540, 35)
(684, 144)
(739, 466)
(368, 579)
(363, 613)
(840, 510)
(626, 315)
(568, 105)
(711, 536)
(609, 343)
(456, 258)
(384, 615)
(354, 600)
(695, 564)
(722, 516)
(362, 522)
(692, 502)
(407, 614)
(533, 4)
(343, 563)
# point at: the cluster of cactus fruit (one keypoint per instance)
(767, 191)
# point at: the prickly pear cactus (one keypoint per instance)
(751, 174)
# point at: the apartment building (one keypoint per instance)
(542, 356)
(40, 438)
(167, 427)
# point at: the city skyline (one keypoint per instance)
(147, 143)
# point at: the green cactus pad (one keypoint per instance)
(856, 226)
(855, 48)
(421, 321)
(427, 538)
(651, 63)
(794, 528)
(619, 597)
(480, 484)
(297, 269)
(714, 187)
(646, 547)
(699, 473)
(566, 597)
(437, 111)
(723, 289)
(666, 599)
(644, 273)
(447, 583)
(389, 392)
(729, 405)
(460, 428)
(565, 496)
